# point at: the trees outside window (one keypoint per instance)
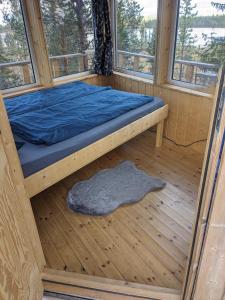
(185, 38)
(199, 45)
(200, 42)
(136, 35)
(69, 35)
(214, 51)
(15, 61)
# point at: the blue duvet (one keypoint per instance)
(48, 97)
(54, 115)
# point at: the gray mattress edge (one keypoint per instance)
(34, 158)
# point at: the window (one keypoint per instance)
(69, 34)
(15, 60)
(200, 42)
(136, 22)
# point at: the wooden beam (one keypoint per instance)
(165, 31)
(211, 276)
(34, 24)
(21, 257)
(26, 74)
(159, 133)
(20, 277)
(204, 194)
(18, 182)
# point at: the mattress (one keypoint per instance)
(35, 157)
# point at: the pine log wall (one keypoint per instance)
(189, 112)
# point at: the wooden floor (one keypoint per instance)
(145, 242)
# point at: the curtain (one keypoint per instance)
(103, 37)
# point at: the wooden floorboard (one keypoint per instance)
(146, 242)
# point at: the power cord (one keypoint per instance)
(180, 145)
(188, 145)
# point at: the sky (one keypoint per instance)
(204, 7)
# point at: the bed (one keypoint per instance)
(51, 147)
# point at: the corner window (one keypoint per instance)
(69, 35)
(199, 42)
(136, 27)
(15, 61)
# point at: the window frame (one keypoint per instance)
(27, 15)
(30, 44)
(150, 77)
(71, 77)
(32, 57)
(64, 77)
(173, 38)
(165, 77)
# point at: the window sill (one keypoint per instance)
(20, 90)
(56, 82)
(166, 85)
(133, 77)
(186, 90)
(74, 77)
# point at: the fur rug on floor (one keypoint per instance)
(110, 188)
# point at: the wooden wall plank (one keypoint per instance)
(207, 184)
(166, 10)
(211, 277)
(18, 181)
(189, 113)
(20, 276)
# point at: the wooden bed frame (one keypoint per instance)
(50, 175)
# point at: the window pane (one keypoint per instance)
(15, 61)
(136, 35)
(69, 33)
(200, 42)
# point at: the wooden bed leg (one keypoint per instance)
(159, 133)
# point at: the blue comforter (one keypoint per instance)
(48, 97)
(56, 114)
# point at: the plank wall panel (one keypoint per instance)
(95, 80)
(189, 113)
(19, 274)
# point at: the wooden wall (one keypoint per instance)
(210, 246)
(189, 112)
(97, 80)
(19, 274)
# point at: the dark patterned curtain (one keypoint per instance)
(103, 38)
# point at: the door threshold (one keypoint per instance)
(81, 285)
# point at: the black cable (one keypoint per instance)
(188, 145)
(180, 145)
